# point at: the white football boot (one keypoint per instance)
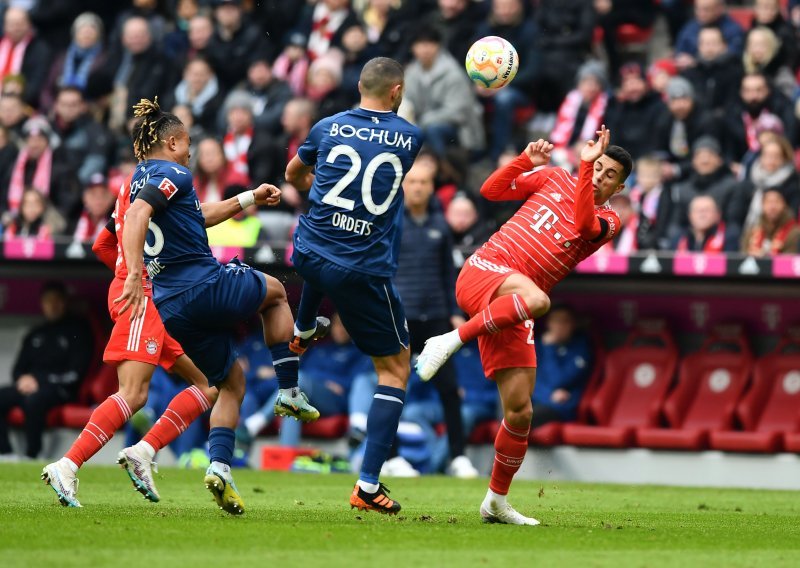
(140, 469)
(436, 352)
(64, 482)
(499, 511)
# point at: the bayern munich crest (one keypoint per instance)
(151, 346)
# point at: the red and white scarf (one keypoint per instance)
(713, 245)
(11, 56)
(41, 177)
(324, 25)
(87, 230)
(568, 113)
(236, 147)
(293, 72)
(759, 243)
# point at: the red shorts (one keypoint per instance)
(144, 339)
(510, 348)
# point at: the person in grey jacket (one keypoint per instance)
(426, 280)
(439, 97)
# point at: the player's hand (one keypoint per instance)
(267, 194)
(27, 384)
(595, 148)
(539, 152)
(132, 296)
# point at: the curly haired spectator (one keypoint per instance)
(776, 231)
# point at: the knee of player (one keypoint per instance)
(136, 398)
(538, 302)
(211, 394)
(519, 416)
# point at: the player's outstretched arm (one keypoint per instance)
(137, 220)
(216, 213)
(586, 220)
(105, 246)
(299, 175)
(505, 184)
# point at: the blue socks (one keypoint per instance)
(382, 421)
(285, 364)
(310, 301)
(220, 445)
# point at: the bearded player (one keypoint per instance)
(504, 286)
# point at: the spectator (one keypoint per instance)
(767, 13)
(235, 41)
(709, 176)
(242, 230)
(508, 20)
(613, 14)
(707, 13)
(323, 23)
(239, 131)
(439, 96)
(633, 111)
(84, 56)
(45, 169)
(357, 51)
(199, 35)
(467, 228)
(773, 168)
(564, 360)
(762, 54)
(707, 232)
(84, 142)
(34, 219)
(214, 172)
(200, 91)
(581, 113)
(651, 201)
(426, 280)
(776, 231)
(716, 73)
(98, 203)
(758, 108)
(457, 21)
(659, 73)
(49, 368)
(625, 240)
(22, 52)
(8, 154)
(388, 25)
(293, 63)
(176, 41)
(324, 85)
(137, 70)
(677, 130)
(269, 94)
(151, 11)
(13, 114)
(563, 40)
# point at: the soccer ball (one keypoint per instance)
(492, 62)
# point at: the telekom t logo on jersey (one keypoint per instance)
(546, 218)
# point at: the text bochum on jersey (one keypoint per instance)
(360, 158)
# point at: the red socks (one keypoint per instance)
(510, 446)
(105, 420)
(187, 406)
(501, 313)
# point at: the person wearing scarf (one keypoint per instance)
(240, 131)
(707, 232)
(86, 46)
(777, 231)
(34, 163)
(98, 202)
(23, 53)
(199, 90)
(581, 113)
(293, 63)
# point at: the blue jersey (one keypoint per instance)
(176, 251)
(356, 216)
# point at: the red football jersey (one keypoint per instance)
(542, 239)
(120, 209)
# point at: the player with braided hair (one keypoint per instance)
(201, 300)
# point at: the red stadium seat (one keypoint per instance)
(710, 383)
(771, 407)
(546, 435)
(628, 34)
(327, 427)
(636, 377)
(484, 432)
(743, 16)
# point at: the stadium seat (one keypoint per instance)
(327, 427)
(484, 432)
(546, 435)
(636, 377)
(742, 16)
(710, 383)
(770, 410)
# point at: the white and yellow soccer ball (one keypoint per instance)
(492, 62)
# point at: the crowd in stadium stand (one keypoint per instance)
(713, 112)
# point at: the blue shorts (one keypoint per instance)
(369, 306)
(203, 319)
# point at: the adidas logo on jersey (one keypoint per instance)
(556, 197)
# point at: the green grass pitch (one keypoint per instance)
(304, 520)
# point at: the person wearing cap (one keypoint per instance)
(98, 203)
(239, 131)
(679, 128)
(776, 231)
(84, 140)
(709, 176)
(707, 232)
(633, 111)
(717, 71)
(23, 52)
(235, 40)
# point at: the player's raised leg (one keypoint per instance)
(382, 422)
(510, 445)
(183, 409)
(309, 326)
(276, 317)
(516, 300)
(107, 418)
